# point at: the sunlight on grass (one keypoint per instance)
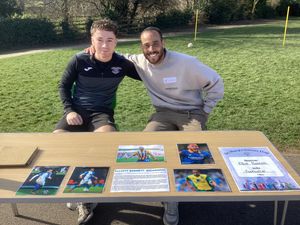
(261, 84)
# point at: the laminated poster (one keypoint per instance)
(257, 169)
(140, 180)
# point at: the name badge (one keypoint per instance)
(170, 80)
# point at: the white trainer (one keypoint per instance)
(85, 212)
(72, 206)
(171, 214)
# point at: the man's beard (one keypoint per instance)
(160, 55)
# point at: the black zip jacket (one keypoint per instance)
(91, 85)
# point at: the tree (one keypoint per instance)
(8, 8)
(130, 11)
(254, 3)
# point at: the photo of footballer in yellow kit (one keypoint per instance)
(200, 180)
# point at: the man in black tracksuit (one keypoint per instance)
(88, 89)
(89, 84)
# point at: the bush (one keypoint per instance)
(281, 9)
(242, 11)
(88, 23)
(220, 11)
(173, 18)
(68, 32)
(9, 8)
(264, 11)
(25, 32)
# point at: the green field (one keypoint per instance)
(42, 191)
(135, 159)
(93, 189)
(262, 85)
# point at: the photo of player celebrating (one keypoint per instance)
(194, 154)
(140, 153)
(143, 155)
(200, 182)
(87, 180)
(43, 181)
(195, 180)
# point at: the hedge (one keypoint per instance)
(26, 32)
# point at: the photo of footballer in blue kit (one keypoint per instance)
(87, 180)
(194, 154)
(43, 180)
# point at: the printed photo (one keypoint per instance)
(87, 180)
(141, 153)
(200, 180)
(193, 153)
(43, 180)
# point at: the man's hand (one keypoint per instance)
(90, 50)
(74, 118)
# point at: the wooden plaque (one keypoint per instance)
(16, 156)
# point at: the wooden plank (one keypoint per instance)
(14, 156)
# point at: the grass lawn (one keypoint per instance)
(262, 84)
(92, 189)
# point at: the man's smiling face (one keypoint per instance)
(152, 46)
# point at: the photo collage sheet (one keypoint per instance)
(257, 169)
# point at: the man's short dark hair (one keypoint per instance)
(104, 24)
(153, 29)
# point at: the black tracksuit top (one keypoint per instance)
(95, 82)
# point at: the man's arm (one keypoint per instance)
(134, 154)
(65, 89)
(211, 182)
(130, 69)
(207, 80)
(34, 177)
(83, 174)
(66, 84)
(152, 156)
(188, 184)
(213, 91)
(132, 72)
(206, 154)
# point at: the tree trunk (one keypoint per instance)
(253, 8)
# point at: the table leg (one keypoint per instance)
(15, 209)
(284, 212)
(275, 212)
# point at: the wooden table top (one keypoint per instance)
(100, 149)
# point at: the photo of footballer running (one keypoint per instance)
(200, 180)
(43, 180)
(194, 154)
(141, 153)
(87, 180)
